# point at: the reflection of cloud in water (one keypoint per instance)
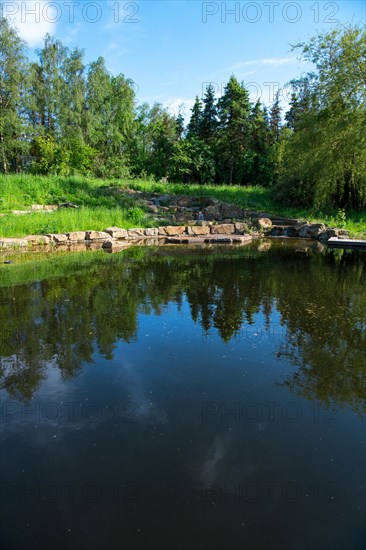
(143, 408)
(216, 453)
(223, 463)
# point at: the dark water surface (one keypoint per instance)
(177, 398)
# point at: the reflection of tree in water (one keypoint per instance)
(326, 331)
(64, 320)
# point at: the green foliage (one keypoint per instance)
(341, 218)
(192, 160)
(234, 127)
(325, 155)
(60, 116)
(12, 84)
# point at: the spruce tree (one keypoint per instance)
(209, 115)
(275, 122)
(194, 125)
(234, 131)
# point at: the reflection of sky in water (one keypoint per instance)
(200, 425)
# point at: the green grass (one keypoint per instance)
(99, 208)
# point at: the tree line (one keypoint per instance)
(59, 115)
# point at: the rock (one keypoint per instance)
(76, 236)
(276, 220)
(161, 232)
(96, 236)
(311, 231)
(198, 230)
(151, 232)
(189, 202)
(264, 223)
(220, 239)
(38, 239)
(300, 224)
(287, 231)
(172, 230)
(223, 229)
(251, 214)
(136, 233)
(68, 205)
(240, 228)
(117, 232)
(44, 207)
(213, 212)
(232, 211)
(58, 238)
(152, 208)
(20, 212)
(327, 234)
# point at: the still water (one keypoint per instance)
(179, 398)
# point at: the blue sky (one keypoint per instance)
(172, 49)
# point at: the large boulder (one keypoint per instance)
(37, 239)
(223, 229)
(76, 236)
(151, 232)
(264, 223)
(198, 230)
(172, 230)
(96, 236)
(58, 238)
(311, 230)
(136, 233)
(117, 232)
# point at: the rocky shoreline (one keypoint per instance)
(223, 223)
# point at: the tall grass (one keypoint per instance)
(99, 208)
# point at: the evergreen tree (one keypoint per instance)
(209, 121)
(234, 132)
(275, 122)
(180, 123)
(261, 166)
(194, 125)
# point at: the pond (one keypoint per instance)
(184, 398)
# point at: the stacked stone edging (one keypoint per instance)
(112, 235)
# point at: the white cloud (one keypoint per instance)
(275, 61)
(33, 19)
(173, 105)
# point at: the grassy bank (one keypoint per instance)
(98, 208)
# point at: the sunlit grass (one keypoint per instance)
(98, 208)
